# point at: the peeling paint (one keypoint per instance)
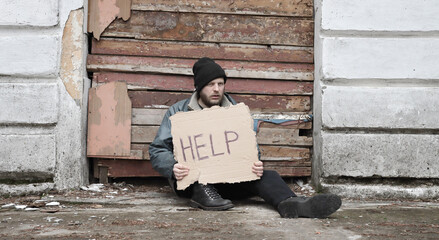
(94, 107)
(71, 71)
(121, 106)
(103, 12)
(296, 8)
(109, 121)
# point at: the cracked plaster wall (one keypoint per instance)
(43, 88)
(376, 94)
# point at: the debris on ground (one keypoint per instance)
(151, 211)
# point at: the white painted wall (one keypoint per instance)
(42, 126)
(376, 102)
(386, 57)
(379, 15)
(37, 13)
(33, 55)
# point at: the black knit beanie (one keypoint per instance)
(206, 70)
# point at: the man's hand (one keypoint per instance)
(180, 171)
(258, 168)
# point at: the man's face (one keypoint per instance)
(212, 94)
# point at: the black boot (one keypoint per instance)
(319, 206)
(207, 198)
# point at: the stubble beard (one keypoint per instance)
(209, 103)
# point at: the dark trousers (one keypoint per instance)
(271, 187)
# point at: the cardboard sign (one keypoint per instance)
(217, 144)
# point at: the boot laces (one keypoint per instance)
(211, 192)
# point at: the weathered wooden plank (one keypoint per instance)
(265, 103)
(290, 171)
(133, 168)
(102, 13)
(241, 52)
(300, 156)
(287, 164)
(186, 83)
(153, 116)
(134, 155)
(295, 125)
(143, 148)
(145, 116)
(281, 136)
(234, 69)
(109, 121)
(103, 174)
(284, 155)
(144, 99)
(147, 81)
(126, 168)
(275, 103)
(95, 167)
(143, 134)
(297, 8)
(138, 152)
(214, 28)
(266, 136)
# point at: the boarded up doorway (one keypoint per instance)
(266, 48)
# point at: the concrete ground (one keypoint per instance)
(151, 211)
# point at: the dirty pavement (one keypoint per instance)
(149, 210)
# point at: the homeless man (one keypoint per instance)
(210, 80)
